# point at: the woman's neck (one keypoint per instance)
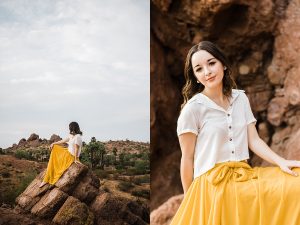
(215, 94)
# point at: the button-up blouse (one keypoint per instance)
(221, 134)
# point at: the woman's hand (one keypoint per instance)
(77, 161)
(51, 146)
(286, 165)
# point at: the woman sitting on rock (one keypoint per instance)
(61, 158)
(216, 127)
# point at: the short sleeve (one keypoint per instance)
(187, 122)
(249, 115)
(78, 140)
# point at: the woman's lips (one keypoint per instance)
(210, 79)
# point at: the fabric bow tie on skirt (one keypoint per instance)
(238, 171)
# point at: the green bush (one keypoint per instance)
(125, 186)
(141, 166)
(141, 193)
(22, 154)
(102, 174)
(142, 179)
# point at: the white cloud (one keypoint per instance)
(74, 60)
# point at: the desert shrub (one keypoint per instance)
(22, 154)
(141, 193)
(131, 171)
(102, 174)
(141, 179)
(10, 195)
(141, 166)
(125, 186)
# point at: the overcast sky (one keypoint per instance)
(74, 60)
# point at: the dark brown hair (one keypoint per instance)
(191, 86)
(74, 128)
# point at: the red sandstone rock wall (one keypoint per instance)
(262, 40)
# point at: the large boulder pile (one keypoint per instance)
(76, 199)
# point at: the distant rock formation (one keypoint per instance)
(54, 138)
(76, 199)
(34, 141)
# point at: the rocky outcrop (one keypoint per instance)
(261, 39)
(76, 199)
(54, 138)
(34, 141)
(164, 214)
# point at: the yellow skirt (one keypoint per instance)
(234, 193)
(60, 160)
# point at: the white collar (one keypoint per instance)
(203, 99)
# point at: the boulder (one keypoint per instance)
(114, 210)
(22, 142)
(54, 138)
(32, 194)
(164, 213)
(87, 189)
(48, 205)
(71, 177)
(74, 212)
(33, 137)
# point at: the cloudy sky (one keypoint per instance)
(74, 60)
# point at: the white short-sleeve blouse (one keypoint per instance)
(76, 139)
(221, 134)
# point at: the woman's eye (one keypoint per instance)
(212, 63)
(198, 70)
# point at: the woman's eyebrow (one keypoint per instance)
(207, 61)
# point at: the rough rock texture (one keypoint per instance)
(12, 217)
(76, 199)
(74, 212)
(164, 214)
(54, 138)
(261, 39)
(117, 211)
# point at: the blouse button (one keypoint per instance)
(230, 139)
(228, 114)
(232, 152)
(229, 127)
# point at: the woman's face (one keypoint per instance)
(208, 70)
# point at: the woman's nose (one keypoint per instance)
(206, 71)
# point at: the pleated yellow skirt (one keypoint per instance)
(60, 160)
(234, 193)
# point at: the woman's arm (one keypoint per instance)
(187, 143)
(260, 148)
(76, 153)
(59, 142)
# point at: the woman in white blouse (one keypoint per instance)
(215, 128)
(61, 158)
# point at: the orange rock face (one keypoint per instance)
(261, 39)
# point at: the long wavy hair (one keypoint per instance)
(191, 86)
(74, 128)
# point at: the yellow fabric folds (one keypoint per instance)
(234, 193)
(60, 160)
